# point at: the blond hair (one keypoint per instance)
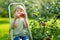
(18, 6)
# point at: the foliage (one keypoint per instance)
(39, 10)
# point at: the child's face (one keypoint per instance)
(18, 11)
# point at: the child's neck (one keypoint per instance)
(19, 17)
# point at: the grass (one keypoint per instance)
(4, 27)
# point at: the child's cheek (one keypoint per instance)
(17, 15)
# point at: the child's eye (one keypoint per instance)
(17, 11)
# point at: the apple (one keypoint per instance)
(22, 14)
(48, 38)
(43, 23)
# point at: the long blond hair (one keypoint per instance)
(20, 6)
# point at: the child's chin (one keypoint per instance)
(18, 16)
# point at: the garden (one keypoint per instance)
(43, 18)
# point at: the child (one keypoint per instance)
(19, 24)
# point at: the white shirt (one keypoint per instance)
(19, 29)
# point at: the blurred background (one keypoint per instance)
(43, 18)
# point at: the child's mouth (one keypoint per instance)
(22, 14)
(18, 14)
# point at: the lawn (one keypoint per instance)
(4, 27)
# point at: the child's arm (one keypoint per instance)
(12, 27)
(25, 23)
(13, 24)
